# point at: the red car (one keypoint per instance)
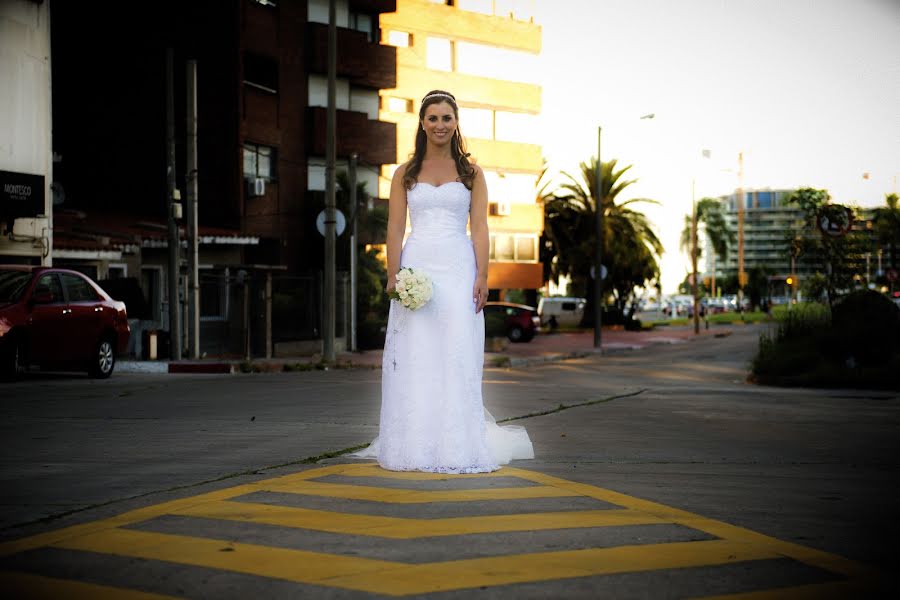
(58, 319)
(518, 322)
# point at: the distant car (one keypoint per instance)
(515, 321)
(562, 310)
(58, 319)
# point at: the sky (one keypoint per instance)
(807, 90)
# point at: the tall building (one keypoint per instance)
(484, 53)
(769, 226)
(261, 98)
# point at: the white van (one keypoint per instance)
(563, 309)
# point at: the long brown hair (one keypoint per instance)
(464, 169)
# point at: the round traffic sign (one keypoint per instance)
(339, 221)
(891, 274)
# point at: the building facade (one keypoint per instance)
(770, 224)
(486, 56)
(261, 96)
(26, 153)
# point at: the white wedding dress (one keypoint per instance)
(432, 414)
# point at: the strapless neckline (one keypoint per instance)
(439, 186)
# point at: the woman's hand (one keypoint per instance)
(391, 284)
(480, 292)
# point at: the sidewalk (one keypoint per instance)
(543, 348)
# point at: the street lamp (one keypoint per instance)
(598, 249)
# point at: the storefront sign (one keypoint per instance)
(21, 194)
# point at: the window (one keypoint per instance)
(403, 105)
(496, 63)
(117, 271)
(517, 127)
(439, 54)
(509, 247)
(261, 72)
(400, 39)
(212, 293)
(477, 122)
(364, 23)
(49, 284)
(259, 161)
(78, 289)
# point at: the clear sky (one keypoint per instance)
(808, 90)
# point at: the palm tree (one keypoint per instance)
(711, 217)
(887, 226)
(631, 248)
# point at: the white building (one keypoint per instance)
(26, 153)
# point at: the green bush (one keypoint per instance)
(857, 346)
(494, 324)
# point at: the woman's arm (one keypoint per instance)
(480, 238)
(396, 226)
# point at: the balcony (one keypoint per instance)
(374, 141)
(365, 64)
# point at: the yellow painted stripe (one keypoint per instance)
(401, 496)
(810, 556)
(24, 586)
(396, 578)
(840, 590)
(403, 528)
(545, 566)
(142, 514)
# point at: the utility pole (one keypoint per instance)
(173, 213)
(598, 250)
(742, 277)
(328, 313)
(695, 288)
(354, 220)
(192, 216)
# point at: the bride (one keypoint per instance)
(432, 414)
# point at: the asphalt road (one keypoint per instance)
(671, 433)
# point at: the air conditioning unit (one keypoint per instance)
(31, 227)
(256, 187)
(503, 209)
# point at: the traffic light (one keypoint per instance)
(789, 281)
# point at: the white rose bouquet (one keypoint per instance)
(413, 288)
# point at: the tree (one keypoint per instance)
(887, 227)
(834, 256)
(711, 217)
(631, 248)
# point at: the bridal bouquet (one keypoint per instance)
(413, 288)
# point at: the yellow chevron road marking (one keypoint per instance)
(396, 578)
(406, 528)
(734, 544)
(24, 586)
(402, 496)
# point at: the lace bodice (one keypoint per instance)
(442, 209)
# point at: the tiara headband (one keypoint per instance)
(438, 95)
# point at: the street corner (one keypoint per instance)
(356, 528)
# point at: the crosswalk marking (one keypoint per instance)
(405, 528)
(732, 544)
(24, 586)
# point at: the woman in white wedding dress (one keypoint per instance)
(432, 414)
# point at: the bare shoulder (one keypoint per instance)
(479, 172)
(400, 172)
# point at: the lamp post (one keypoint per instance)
(598, 249)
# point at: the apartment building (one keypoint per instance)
(485, 53)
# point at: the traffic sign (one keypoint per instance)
(340, 222)
(835, 220)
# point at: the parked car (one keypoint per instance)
(518, 322)
(58, 319)
(560, 310)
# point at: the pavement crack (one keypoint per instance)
(563, 407)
